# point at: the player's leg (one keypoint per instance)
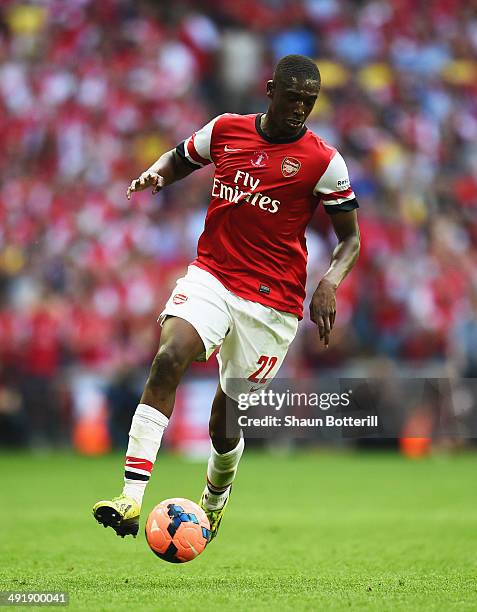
(180, 344)
(226, 450)
(249, 358)
(195, 321)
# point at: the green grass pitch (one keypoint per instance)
(309, 531)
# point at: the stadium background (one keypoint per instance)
(92, 92)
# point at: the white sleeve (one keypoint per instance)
(196, 149)
(334, 186)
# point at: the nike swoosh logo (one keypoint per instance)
(252, 390)
(227, 149)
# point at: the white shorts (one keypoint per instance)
(253, 338)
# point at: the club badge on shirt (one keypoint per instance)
(290, 166)
(179, 298)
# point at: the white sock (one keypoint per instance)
(145, 435)
(221, 471)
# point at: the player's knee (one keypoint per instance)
(167, 367)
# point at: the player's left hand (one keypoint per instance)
(323, 309)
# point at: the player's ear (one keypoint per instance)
(270, 89)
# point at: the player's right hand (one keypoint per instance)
(147, 179)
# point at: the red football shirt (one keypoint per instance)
(264, 194)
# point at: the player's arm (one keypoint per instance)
(169, 168)
(323, 302)
(191, 154)
(339, 201)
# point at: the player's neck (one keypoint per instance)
(273, 130)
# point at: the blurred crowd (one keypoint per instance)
(91, 93)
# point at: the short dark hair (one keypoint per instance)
(298, 66)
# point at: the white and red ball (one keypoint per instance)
(177, 530)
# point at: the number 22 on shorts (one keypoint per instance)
(264, 362)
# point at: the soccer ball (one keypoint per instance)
(177, 530)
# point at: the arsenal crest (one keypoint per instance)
(179, 298)
(290, 166)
